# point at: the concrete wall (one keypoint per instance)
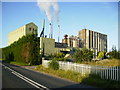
(22, 31)
(82, 35)
(16, 34)
(31, 28)
(48, 44)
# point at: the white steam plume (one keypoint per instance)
(46, 6)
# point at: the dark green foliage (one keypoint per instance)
(59, 56)
(54, 64)
(26, 50)
(83, 55)
(61, 59)
(114, 53)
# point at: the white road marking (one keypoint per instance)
(29, 80)
(25, 80)
(8, 68)
(35, 84)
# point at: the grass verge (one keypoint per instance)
(74, 76)
(93, 80)
(1, 59)
(105, 62)
(19, 63)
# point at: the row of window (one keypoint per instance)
(30, 29)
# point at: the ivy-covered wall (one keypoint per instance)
(26, 50)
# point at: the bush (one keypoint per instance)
(114, 53)
(100, 55)
(83, 55)
(54, 64)
(59, 55)
(61, 59)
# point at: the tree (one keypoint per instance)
(78, 56)
(114, 53)
(83, 55)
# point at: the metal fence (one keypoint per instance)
(105, 72)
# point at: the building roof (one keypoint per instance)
(23, 26)
(93, 31)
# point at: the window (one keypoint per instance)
(29, 29)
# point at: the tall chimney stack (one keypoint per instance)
(58, 33)
(50, 31)
(43, 28)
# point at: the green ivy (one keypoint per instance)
(26, 50)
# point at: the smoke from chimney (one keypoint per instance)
(47, 5)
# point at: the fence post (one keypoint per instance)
(111, 73)
(59, 65)
(107, 72)
(85, 69)
(117, 73)
(76, 67)
(82, 69)
(79, 68)
(73, 66)
(43, 61)
(68, 66)
(102, 72)
(95, 70)
(114, 73)
(88, 69)
(99, 71)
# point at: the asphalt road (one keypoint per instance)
(17, 77)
